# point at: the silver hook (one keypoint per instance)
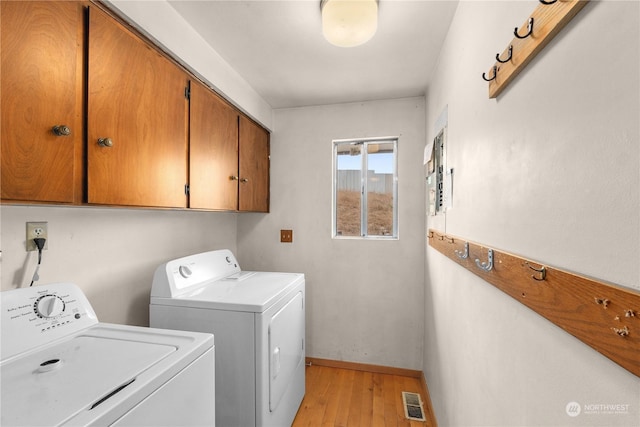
(465, 254)
(542, 270)
(486, 266)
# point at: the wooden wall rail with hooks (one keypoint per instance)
(540, 28)
(602, 315)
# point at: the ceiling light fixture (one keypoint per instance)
(349, 23)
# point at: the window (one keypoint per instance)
(365, 188)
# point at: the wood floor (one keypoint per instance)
(345, 397)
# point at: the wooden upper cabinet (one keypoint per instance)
(144, 139)
(254, 167)
(41, 88)
(138, 110)
(213, 151)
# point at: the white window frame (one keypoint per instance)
(363, 191)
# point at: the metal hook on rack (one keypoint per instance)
(465, 254)
(548, 2)
(502, 61)
(542, 270)
(529, 27)
(495, 74)
(486, 266)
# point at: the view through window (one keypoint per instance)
(365, 188)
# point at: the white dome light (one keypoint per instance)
(349, 23)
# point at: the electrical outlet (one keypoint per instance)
(286, 236)
(35, 230)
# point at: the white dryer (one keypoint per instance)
(61, 367)
(258, 319)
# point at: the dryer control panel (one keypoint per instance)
(183, 274)
(37, 315)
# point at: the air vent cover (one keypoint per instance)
(413, 406)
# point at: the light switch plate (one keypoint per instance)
(286, 236)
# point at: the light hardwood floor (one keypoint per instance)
(345, 397)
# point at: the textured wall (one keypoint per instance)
(110, 253)
(364, 298)
(551, 171)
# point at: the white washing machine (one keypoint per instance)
(258, 319)
(61, 367)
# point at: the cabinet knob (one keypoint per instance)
(105, 142)
(244, 180)
(61, 130)
(233, 178)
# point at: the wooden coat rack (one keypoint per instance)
(604, 316)
(540, 28)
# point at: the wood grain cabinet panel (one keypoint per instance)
(41, 87)
(71, 65)
(213, 151)
(254, 167)
(136, 99)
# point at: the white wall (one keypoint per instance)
(364, 298)
(550, 171)
(110, 253)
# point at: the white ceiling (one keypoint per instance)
(278, 48)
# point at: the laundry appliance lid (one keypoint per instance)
(247, 291)
(95, 376)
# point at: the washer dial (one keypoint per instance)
(48, 306)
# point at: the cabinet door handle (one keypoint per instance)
(105, 142)
(233, 178)
(61, 130)
(244, 180)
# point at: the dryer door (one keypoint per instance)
(286, 347)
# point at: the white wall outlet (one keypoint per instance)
(35, 230)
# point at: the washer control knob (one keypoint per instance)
(185, 271)
(49, 306)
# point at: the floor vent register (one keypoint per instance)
(413, 406)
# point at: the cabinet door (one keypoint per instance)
(254, 167)
(137, 104)
(41, 87)
(213, 151)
